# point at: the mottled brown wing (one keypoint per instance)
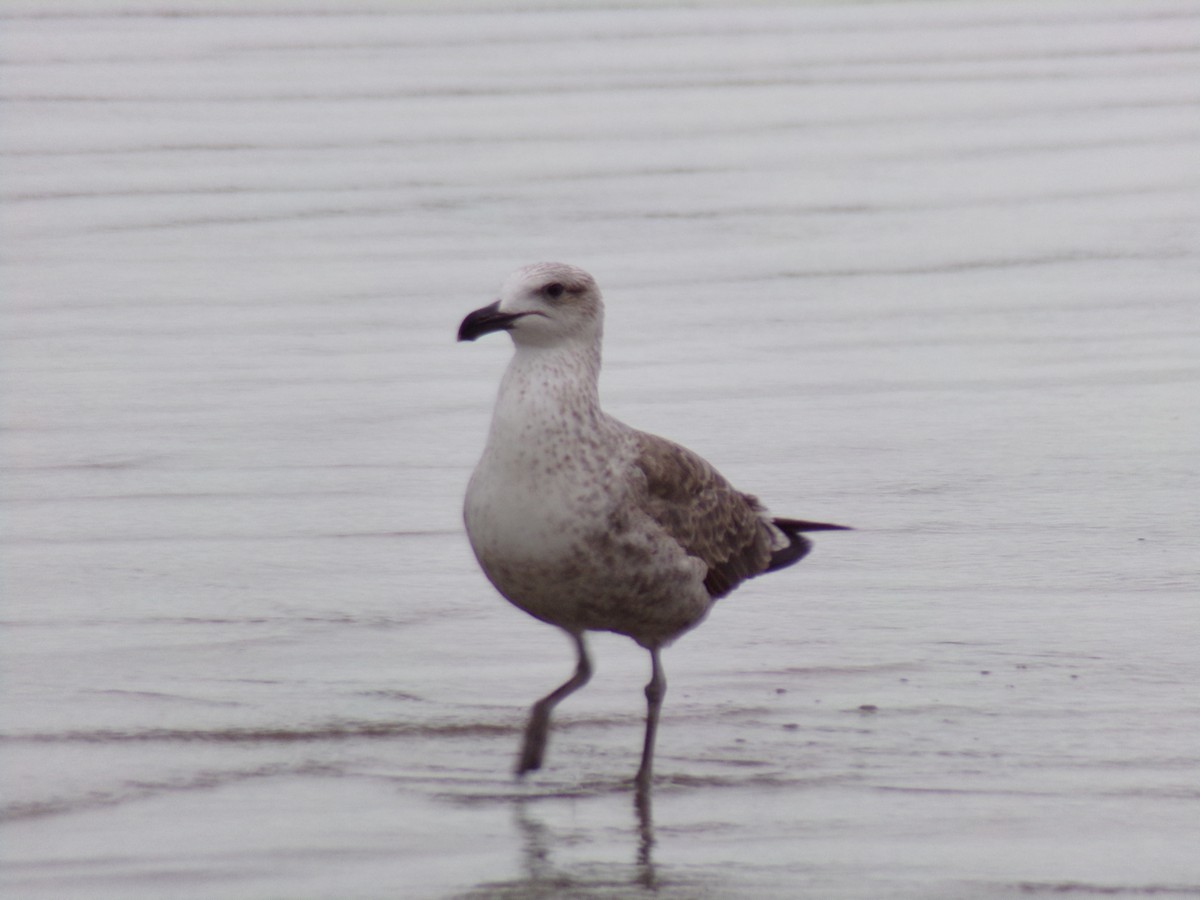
(700, 509)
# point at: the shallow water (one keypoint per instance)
(928, 269)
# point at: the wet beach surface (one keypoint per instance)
(928, 269)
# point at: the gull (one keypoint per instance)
(589, 524)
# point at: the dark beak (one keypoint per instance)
(486, 320)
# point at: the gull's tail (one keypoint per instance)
(798, 545)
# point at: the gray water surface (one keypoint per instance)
(929, 269)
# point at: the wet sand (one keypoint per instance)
(928, 269)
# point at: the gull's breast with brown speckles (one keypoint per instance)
(557, 534)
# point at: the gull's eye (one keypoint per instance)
(553, 290)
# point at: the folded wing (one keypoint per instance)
(691, 501)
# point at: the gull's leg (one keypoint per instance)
(538, 729)
(655, 691)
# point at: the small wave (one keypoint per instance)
(334, 731)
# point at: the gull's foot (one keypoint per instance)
(642, 781)
(533, 748)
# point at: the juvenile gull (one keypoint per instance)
(591, 525)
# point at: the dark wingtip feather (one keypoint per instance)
(795, 551)
(798, 545)
(788, 526)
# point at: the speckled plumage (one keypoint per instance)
(589, 524)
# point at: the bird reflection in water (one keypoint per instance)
(645, 860)
(539, 839)
(541, 878)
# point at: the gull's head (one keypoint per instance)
(542, 305)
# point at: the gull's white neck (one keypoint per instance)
(547, 390)
(536, 489)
